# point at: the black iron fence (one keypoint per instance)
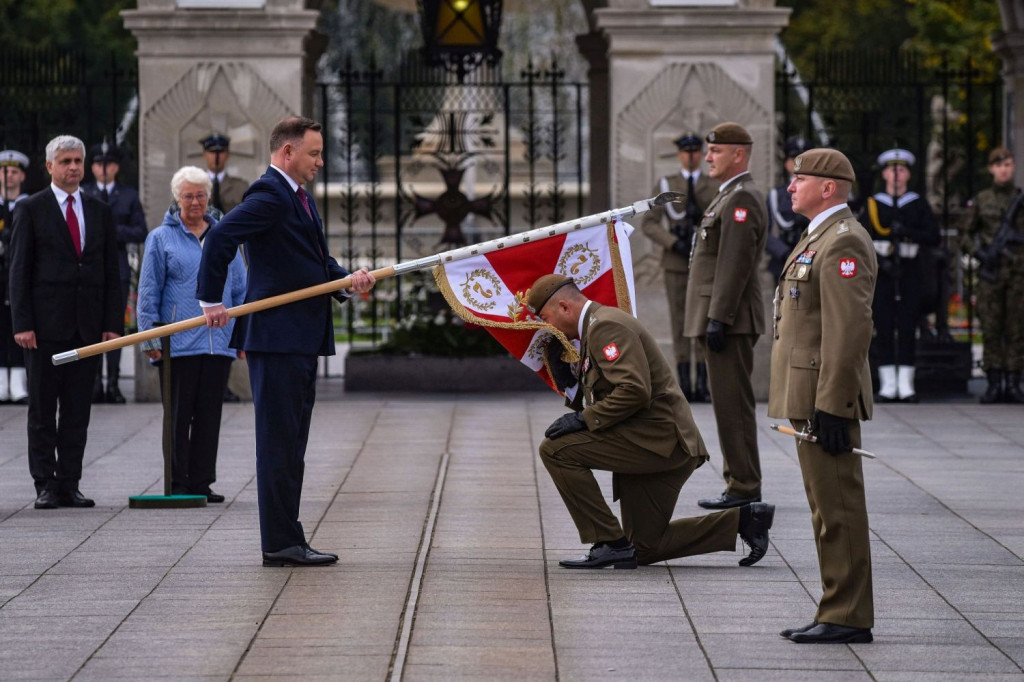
(49, 92)
(418, 161)
(949, 115)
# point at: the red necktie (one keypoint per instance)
(76, 235)
(304, 198)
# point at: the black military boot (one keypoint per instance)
(1011, 392)
(994, 392)
(684, 380)
(701, 394)
(114, 395)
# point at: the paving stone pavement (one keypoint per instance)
(449, 532)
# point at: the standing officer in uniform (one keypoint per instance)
(900, 222)
(821, 381)
(631, 419)
(999, 300)
(13, 165)
(725, 309)
(784, 225)
(227, 190)
(131, 229)
(682, 219)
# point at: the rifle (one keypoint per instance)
(991, 256)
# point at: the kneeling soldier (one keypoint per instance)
(631, 419)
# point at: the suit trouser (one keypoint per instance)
(197, 400)
(56, 446)
(839, 515)
(675, 288)
(732, 399)
(648, 486)
(283, 393)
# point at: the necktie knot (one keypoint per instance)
(304, 198)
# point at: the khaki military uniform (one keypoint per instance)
(725, 286)
(1000, 303)
(820, 360)
(640, 427)
(231, 191)
(657, 226)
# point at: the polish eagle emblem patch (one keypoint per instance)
(847, 267)
(740, 215)
(611, 352)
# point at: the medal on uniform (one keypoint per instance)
(802, 271)
(794, 293)
(704, 233)
(806, 258)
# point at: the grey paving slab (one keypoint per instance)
(450, 531)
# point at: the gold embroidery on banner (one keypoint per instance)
(580, 262)
(473, 284)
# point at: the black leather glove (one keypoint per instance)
(561, 372)
(899, 230)
(833, 432)
(681, 246)
(567, 423)
(716, 336)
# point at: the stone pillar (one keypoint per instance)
(683, 65)
(1009, 45)
(231, 66)
(594, 48)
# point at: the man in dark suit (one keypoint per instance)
(130, 222)
(65, 293)
(284, 237)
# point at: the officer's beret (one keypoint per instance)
(794, 147)
(896, 157)
(689, 142)
(9, 157)
(104, 153)
(824, 163)
(215, 142)
(729, 133)
(999, 154)
(543, 289)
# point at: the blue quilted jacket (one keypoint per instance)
(167, 289)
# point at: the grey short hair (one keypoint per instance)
(63, 143)
(191, 175)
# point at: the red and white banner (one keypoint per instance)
(491, 289)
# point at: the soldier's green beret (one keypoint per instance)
(543, 289)
(999, 154)
(729, 133)
(824, 163)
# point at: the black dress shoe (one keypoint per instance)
(298, 555)
(790, 631)
(75, 499)
(601, 555)
(827, 633)
(755, 532)
(212, 497)
(726, 501)
(47, 499)
(330, 554)
(115, 396)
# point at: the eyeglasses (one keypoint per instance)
(189, 198)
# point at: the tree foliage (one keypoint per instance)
(92, 26)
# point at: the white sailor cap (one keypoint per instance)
(9, 157)
(896, 156)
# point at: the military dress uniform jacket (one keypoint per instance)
(823, 324)
(724, 278)
(231, 191)
(628, 388)
(654, 221)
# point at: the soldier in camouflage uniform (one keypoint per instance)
(1000, 304)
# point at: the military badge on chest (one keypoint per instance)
(805, 258)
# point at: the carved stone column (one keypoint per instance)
(231, 66)
(1009, 45)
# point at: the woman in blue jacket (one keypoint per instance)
(201, 356)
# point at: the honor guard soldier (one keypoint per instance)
(994, 234)
(784, 226)
(900, 222)
(630, 418)
(725, 309)
(681, 219)
(227, 190)
(13, 385)
(130, 223)
(821, 382)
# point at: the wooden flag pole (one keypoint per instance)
(383, 273)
